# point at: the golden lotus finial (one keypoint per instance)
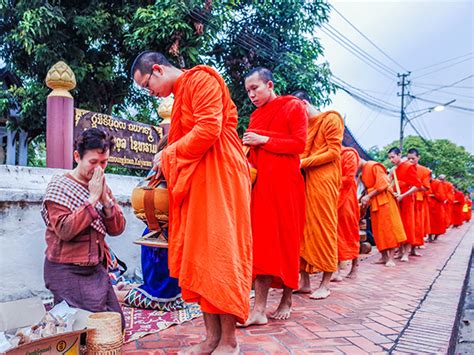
(165, 108)
(60, 79)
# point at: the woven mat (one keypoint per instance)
(141, 322)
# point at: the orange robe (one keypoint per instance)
(210, 240)
(437, 203)
(348, 211)
(468, 209)
(322, 166)
(387, 226)
(407, 177)
(277, 208)
(458, 204)
(449, 205)
(421, 206)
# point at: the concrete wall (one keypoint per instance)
(22, 229)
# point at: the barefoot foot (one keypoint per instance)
(352, 275)
(255, 318)
(390, 263)
(320, 293)
(206, 347)
(226, 349)
(380, 261)
(283, 312)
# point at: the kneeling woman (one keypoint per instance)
(79, 210)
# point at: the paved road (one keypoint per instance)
(407, 309)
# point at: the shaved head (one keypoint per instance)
(145, 61)
(302, 95)
(264, 74)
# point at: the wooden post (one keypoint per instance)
(60, 117)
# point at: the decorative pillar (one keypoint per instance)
(23, 148)
(11, 148)
(164, 111)
(60, 117)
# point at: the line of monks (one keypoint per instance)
(300, 217)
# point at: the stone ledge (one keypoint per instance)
(28, 184)
(436, 315)
(15, 196)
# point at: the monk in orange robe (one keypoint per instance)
(449, 188)
(437, 201)
(387, 226)
(276, 135)
(421, 202)
(458, 204)
(467, 210)
(348, 213)
(210, 240)
(405, 180)
(321, 162)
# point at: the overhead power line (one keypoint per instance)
(445, 93)
(368, 39)
(445, 86)
(356, 53)
(248, 42)
(444, 61)
(468, 109)
(444, 67)
(372, 59)
(429, 85)
(335, 78)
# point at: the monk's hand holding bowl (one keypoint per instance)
(254, 139)
(365, 200)
(96, 185)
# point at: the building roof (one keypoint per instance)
(349, 141)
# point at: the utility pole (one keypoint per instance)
(403, 84)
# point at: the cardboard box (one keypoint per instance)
(28, 312)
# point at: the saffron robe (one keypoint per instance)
(387, 226)
(467, 210)
(449, 204)
(421, 206)
(437, 203)
(458, 204)
(407, 177)
(348, 211)
(210, 241)
(277, 206)
(321, 162)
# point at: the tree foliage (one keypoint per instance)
(99, 39)
(279, 35)
(441, 156)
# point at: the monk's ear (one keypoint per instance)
(77, 157)
(158, 68)
(270, 85)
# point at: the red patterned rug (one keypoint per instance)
(141, 322)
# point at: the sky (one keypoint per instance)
(414, 34)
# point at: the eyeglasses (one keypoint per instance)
(147, 82)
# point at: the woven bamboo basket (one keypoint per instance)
(106, 336)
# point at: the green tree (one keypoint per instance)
(441, 156)
(99, 39)
(278, 35)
